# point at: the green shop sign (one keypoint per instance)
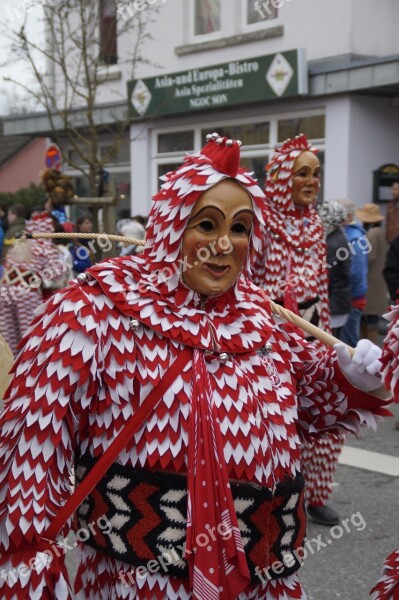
(237, 82)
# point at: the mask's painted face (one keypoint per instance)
(305, 179)
(216, 239)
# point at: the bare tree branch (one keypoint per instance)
(69, 87)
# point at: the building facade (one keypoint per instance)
(261, 72)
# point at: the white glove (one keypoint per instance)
(363, 369)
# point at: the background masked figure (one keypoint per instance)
(291, 267)
(207, 494)
(26, 266)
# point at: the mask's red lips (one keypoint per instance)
(215, 269)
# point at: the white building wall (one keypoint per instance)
(361, 133)
(375, 27)
(373, 141)
(324, 27)
(140, 172)
(144, 180)
(337, 152)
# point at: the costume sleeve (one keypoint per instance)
(390, 354)
(387, 587)
(327, 401)
(55, 374)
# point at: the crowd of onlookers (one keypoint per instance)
(14, 219)
(363, 260)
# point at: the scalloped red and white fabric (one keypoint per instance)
(387, 587)
(90, 358)
(18, 298)
(390, 353)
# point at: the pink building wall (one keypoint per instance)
(23, 168)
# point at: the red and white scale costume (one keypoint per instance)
(387, 587)
(92, 355)
(291, 267)
(18, 299)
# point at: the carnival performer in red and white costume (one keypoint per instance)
(216, 465)
(291, 267)
(387, 587)
(20, 291)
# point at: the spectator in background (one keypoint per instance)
(82, 254)
(131, 229)
(377, 294)
(16, 223)
(358, 247)
(392, 221)
(333, 216)
(391, 270)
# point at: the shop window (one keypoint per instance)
(313, 127)
(108, 32)
(259, 12)
(206, 16)
(252, 134)
(176, 141)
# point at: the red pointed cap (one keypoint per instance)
(223, 153)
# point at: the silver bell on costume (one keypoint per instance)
(134, 324)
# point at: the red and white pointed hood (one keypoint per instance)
(172, 206)
(279, 172)
(150, 286)
(279, 208)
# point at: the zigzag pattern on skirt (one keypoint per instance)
(147, 511)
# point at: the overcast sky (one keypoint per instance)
(12, 15)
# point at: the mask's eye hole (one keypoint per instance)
(240, 229)
(206, 226)
(301, 174)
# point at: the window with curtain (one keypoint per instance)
(108, 32)
(207, 16)
(258, 12)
